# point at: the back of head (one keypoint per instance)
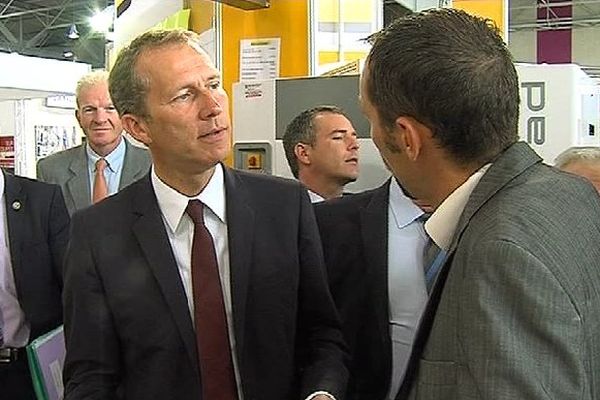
(452, 72)
(127, 88)
(301, 130)
(585, 154)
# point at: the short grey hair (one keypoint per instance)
(88, 80)
(128, 89)
(588, 154)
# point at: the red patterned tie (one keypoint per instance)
(214, 352)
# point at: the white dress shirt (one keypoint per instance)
(314, 197)
(180, 230)
(442, 223)
(15, 327)
(406, 281)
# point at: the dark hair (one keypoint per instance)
(127, 88)
(301, 130)
(452, 72)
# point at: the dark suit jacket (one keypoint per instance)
(354, 232)
(514, 313)
(38, 229)
(127, 324)
(69, 169)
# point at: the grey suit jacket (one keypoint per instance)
(68, 169)
(514, 312)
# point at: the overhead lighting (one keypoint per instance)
(67, 54)
(101, 21)
(72, 33)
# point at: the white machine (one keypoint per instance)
(560, 108)
(263, 109)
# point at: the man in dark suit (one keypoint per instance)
(34, 235)
(143, 264)
(513, 307)
(75, 169)
(373, 244)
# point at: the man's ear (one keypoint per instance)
(413, 137)
(137, 128)
(302, 153)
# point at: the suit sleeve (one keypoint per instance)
(321, 343)
(92, 364)
(58, 231)
(515, 315)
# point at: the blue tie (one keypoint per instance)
(433, 258)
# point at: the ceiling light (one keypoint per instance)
(72, 33)
(67, 54)
(101, 21)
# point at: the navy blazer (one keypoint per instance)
(38, 229)
(354, 231)
(128, 327)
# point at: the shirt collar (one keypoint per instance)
(114, 159)
(314, 197)
(173, 204)
(402, 207)
(441, 226)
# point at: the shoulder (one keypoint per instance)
(351, 203)
(136, 151)
(35, 190)
(255, 182)
(58, 159)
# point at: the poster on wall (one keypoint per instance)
(50, 139)
(7, 152)
(259, 59)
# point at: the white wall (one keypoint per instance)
(37, 114)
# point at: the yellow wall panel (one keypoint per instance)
(492, 9)
(201, 14)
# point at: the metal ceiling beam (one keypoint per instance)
(70, 4)
(8, 34)
(34, 40)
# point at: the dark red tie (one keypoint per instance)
(214, 352)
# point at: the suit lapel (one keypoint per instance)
(240, 230)
(150, 232)
(78, 185)
(374, 226)
(132, 166)
(15, 202)
(511, 163)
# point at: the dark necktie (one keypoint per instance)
(212, 339)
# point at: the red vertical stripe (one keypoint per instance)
(554, 35)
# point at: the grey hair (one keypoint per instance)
(90, 79)
(578, 154)
(127, 87)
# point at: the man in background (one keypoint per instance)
(516, 276)
(582, 161)
(322, 151)
(197, 281)
(33, 238)
(373, 244)
(106, 162)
